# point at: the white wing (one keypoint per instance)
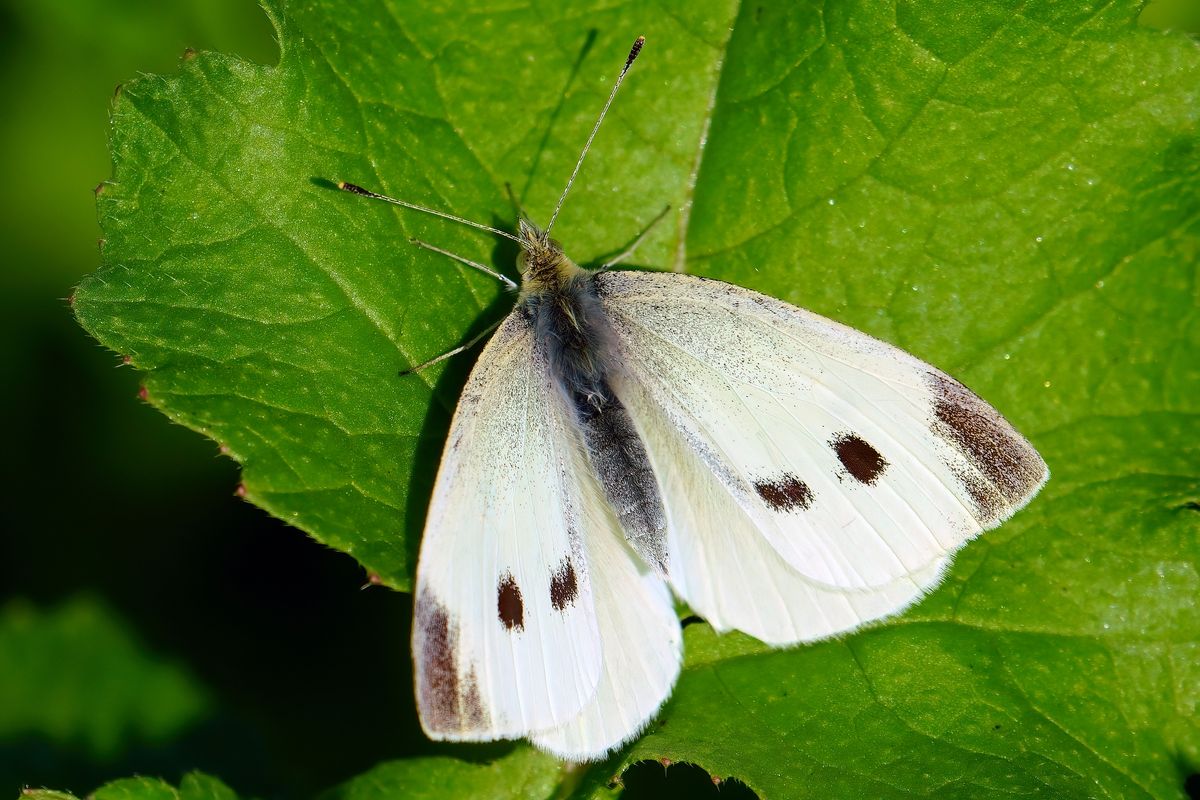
(814, 477)
(534, 618)
(641, 642)
(505, 638)
(727, 570)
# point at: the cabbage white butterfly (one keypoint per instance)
(629, 434)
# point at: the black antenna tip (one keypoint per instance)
(353, 189)
(633, 51)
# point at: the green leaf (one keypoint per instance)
(1008, 192)
(274, 314)
(78, 677)
(524, 774)
(194, 786)
(64, 59)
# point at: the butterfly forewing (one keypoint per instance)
(505, 638)
(860, 465)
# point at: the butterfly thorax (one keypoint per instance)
(560, 299)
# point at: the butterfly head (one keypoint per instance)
(544, 267)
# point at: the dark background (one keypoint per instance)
(110, 507)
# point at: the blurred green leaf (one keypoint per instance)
(1174, 15)
(1009, 194)
(77, 676)
(524, 774)
(194, 786)
(60, 62)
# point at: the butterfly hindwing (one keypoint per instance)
(641, 641)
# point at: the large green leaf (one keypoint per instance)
(1008, 191)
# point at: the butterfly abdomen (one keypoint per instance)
(619, 459)
(572, 326)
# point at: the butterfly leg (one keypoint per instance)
(515, 201)
(628, 251)
(474, 341)
(468, 262)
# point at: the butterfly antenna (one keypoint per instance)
(633, 53)
(353, 189)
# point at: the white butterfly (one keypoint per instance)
(626, 432)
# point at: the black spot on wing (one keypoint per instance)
(1009, 469)
(446, 703)
(784, 493)
(564, 587)
(509, 605)
(861, 460)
